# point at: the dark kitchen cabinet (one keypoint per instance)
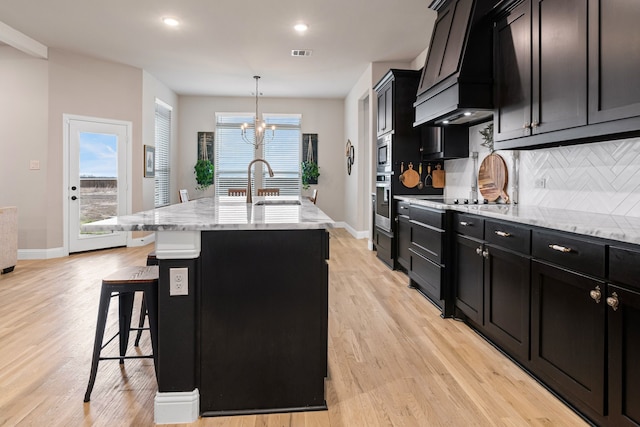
(385, 109)
(623, 321)
(541, 68)
(429, 256)
(396, 92)
(492, 281)
(468, 277)
(507, 287)
(384, 243)
(468, 266)
(568, 341)
(403, 233)
(446, 142)
(614, 60)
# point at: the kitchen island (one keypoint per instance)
(246, 330)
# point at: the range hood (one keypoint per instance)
(457, 78)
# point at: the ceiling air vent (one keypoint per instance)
(301, 52)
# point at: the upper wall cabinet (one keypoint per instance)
(614, 60)
(566, 72)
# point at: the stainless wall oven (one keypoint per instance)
(383, 201)
(383, 155)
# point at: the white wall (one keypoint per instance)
(599, 177)
(24, 104)
(325, 117)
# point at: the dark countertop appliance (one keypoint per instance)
(457, 78)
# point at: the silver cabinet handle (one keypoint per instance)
(613, 301)
(560, 248)
(502, 233)
(479, 250)
(596, 294)
(535, 124)
(464, 223)
(485, 254)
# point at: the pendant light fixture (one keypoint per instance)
(261, 135)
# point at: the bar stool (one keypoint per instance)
(124, 284)
(151, 260)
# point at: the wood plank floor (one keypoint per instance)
(392, 360)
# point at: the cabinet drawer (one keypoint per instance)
(426, 216)
(426, 274)
(584, 256)
(469, 225)
(427, 241)
(508, 235)
(382, 240)
(624, 266)
(403, 208)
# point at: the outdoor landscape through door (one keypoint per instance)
(97, 181)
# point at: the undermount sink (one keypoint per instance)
(278, 202)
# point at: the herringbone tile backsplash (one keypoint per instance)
(599, 177)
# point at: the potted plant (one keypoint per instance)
(310, 173)
(204, 173)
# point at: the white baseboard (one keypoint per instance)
(352, 231)
(177, 407)
(42, 253)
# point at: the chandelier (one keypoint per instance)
(260, 131)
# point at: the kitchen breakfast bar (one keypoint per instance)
(244, 328)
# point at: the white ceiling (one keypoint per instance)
(221, 44)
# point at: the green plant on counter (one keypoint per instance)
(204, 173)
(310, 174)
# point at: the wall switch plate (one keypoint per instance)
(540, 183)
(34, 165)
(178, 281)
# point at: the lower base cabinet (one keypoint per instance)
(568, 335)
(507, 278)
(384, 246)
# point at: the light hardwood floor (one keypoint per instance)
(392, 360)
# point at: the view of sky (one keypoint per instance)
(98, 155)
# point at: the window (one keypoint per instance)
(233, 155)
(162, 142)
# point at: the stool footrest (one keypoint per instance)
(145, 356)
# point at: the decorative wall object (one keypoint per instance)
(203, 168)
(149, 161)
(205, 146)
(350, 153)
(310, 169)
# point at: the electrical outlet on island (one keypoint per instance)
(178, 281)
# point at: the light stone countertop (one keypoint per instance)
(220, 213)
(613, 227)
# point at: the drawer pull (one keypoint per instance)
(465, 223)
(613, 301)
(502, 233)
(596, 294)
(560, 248)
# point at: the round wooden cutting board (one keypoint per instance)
(411, 177)
(493, 179)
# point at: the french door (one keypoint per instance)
(97, 182)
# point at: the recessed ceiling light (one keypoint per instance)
(172, 22)
(301, 28)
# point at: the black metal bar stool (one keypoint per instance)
(124, 284)
(151, 260)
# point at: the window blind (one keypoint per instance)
(162, 142)
(233, 155)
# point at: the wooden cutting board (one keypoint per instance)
(438, 177)
(411, 178)
(493, 178)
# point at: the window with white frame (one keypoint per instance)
(233, 154)
(162, 142)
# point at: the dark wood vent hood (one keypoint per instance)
(456, 82)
